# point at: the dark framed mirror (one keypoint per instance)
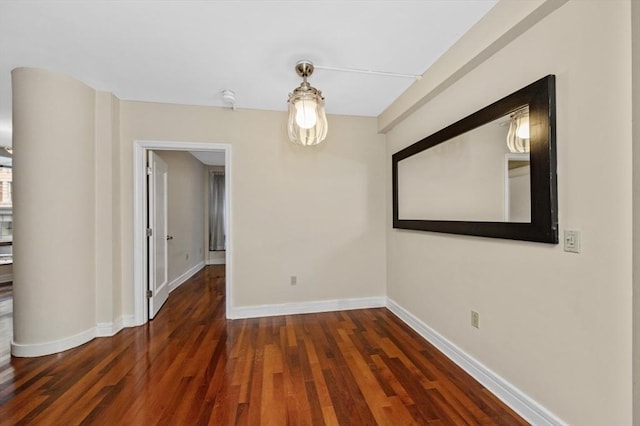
(491, 174)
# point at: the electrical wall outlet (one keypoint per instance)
(293, 280)
(572, 241)
(475, 319)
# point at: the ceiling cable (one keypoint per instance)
(363, 71)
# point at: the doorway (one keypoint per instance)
(141, 275)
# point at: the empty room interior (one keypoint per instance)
(320, 212)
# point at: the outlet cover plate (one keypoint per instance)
(475, 319)
(572, 241)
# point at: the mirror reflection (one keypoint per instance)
(481, 175)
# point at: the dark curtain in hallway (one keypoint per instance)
(216, 211)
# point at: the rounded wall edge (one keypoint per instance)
(54, 212)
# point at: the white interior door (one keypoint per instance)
(158, 270)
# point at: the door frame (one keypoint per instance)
(140, 273)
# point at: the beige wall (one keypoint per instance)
(116, 239)
(54, 209)
(635, 29)
(185, 220)
(318, 213)
(556, 325)
(107, 243)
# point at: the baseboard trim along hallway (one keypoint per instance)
(508, 393)
(53, 347)
(362, 366)
(306, 307)
(522, 404)
(177, 282)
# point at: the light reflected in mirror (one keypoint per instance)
(482, 175)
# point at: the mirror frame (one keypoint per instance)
(541, 99)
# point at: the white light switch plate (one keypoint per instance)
(572, 241)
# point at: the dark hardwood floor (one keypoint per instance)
(192, 366)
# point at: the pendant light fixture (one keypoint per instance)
(518, 135)
(307, 120)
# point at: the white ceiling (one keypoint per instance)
(189, 51)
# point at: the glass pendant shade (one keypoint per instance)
(518, 135)
(307, 123)
(306, 115)
(307, 120)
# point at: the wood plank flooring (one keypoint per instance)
(191, 366)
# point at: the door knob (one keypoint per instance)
(169, 237)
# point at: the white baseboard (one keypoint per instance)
(305, 307)
(525, 406)
(216, 258)
(128, 321)
(48, 348)
(102, 329)
(522, 404)
(107, 329)
(185, 276)
(5, 278)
